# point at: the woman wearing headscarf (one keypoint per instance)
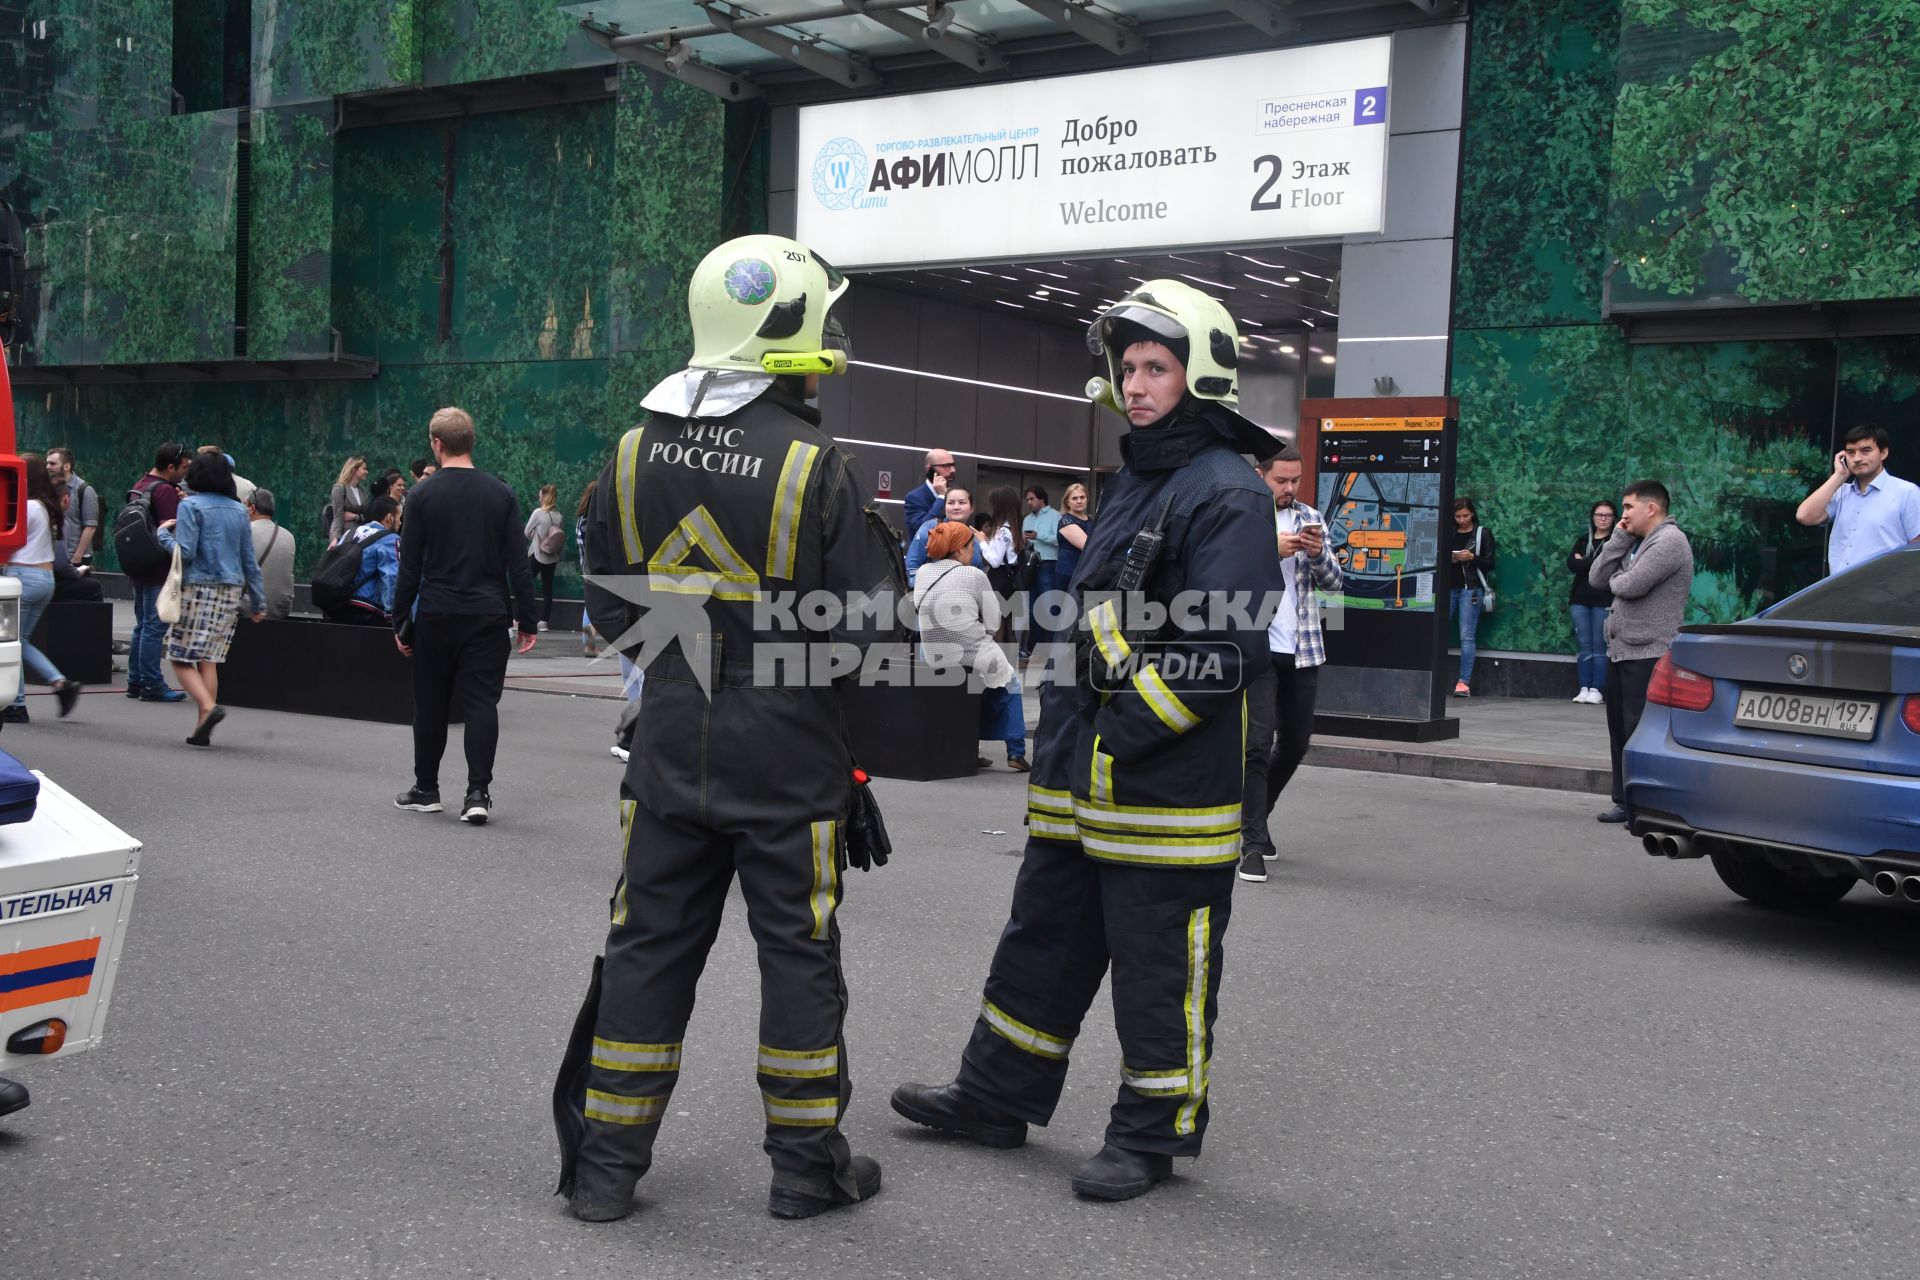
(958, 612)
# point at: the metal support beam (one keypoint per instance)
(1431, 7)
(680, 63)
(937, 34)
(744, 21)
(1266, 15)
(1089, 26)
(802, 51)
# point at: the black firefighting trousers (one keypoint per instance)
(625, 1058)
(1160, 929)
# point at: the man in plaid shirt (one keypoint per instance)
(1280, 699)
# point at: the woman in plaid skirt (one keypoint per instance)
(215, 543)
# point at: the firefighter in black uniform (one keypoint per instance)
(1133, 806)
(728, 491)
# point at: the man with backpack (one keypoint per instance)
(154, 500)
(356, 576)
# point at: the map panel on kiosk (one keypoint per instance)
(1380, 492)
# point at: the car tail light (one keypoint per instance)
(1675, 686)
(1910, 712)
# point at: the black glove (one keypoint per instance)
(867, 843)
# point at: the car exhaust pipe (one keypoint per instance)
(1677, 846)
(1910, 888)
(1886, 884)
(1651, 842)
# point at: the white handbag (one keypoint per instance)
(167, 608)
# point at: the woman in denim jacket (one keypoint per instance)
(216, 558)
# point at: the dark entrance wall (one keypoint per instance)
(917, 412)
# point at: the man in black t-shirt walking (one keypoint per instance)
(462, 576)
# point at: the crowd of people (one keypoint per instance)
(202, 547)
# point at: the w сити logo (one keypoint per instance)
(839, 173)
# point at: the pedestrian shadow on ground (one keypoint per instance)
(1872, 937)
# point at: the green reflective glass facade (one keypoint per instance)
(1557, 409)
(477, 258)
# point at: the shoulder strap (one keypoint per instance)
(268, 549)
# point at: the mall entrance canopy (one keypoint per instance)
(793, 52)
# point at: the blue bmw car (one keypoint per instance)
(1786, 748)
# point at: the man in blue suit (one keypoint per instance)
(925, 501)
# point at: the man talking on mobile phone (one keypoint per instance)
(927, 498)
(1870, 510)
(1280, 698)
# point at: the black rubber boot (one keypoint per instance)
(13, 1096)
(946, 1108)
(1119, 1174)
(588, 1207)
(785, 1202)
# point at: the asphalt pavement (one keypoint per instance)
(1466, 1031)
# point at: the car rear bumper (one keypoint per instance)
(1848, 813)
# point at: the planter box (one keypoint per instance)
(77, 635)
(319, 668)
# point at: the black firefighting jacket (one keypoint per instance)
(712, 534)
(1147, 770)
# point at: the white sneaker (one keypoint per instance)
(1591, 697)
(621, 753)
(1582, 695)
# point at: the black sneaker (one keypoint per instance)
(1616, 814)
(67, 694)
(13, 1096)
(474, 808)
(417, 800)
(14, 713)
(1253, 867)
(785, 1202)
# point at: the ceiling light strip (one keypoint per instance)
(1066, 467)
(971, 382)
(1431, 337)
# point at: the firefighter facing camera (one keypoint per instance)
(1133, 806)
(727, 489)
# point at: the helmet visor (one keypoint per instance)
(1156, 322)
(836, 338)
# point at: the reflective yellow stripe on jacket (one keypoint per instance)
(726, 573)
(783, 534)
(1104, 619)
(628, 465)
(1165, 704)
(1170, 837)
